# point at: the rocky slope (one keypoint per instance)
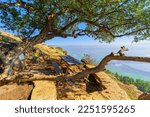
(15, 92)
(82, 89)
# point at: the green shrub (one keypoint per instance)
(140, 84)
(61, 49)
(89, 59)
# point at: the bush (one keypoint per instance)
(61, 49)
(89, 59)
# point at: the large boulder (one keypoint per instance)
(15, 92)
(113, 91)
(44, 90)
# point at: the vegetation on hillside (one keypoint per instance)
(142, 85)
(61, 49)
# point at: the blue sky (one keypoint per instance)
(73, 41)
(84, 40)
(87, 41)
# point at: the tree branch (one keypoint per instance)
(22, 4)
(100, 27)
(121, 24)
(69, 24)
(130, 33)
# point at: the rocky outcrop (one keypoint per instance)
(132, 91)
(44, 90)
(53, 52)
(15, 92)
(77, 90)
(144, 96)
(113, 90)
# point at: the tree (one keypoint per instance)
(40, 20)
(36, 21)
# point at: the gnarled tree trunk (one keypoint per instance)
(26, 46)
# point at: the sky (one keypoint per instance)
(87, 41)
(78, 41)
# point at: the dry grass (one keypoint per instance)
(131, 90)
(53, 52)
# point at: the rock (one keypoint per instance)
(144, 96)
(132, 91)
(113, 91)
(44, 90)
(15, 92)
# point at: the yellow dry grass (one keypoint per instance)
(53, 52)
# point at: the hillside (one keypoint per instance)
(78, 89)
(84, 91)
(107, 88)
(54, 53)
(132, 91)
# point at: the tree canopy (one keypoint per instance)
(40, 20)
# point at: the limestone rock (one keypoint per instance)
(112, 91)
(132, 91)
(44, 90)
(15, 92)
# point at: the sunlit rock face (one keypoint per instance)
(15, 92)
